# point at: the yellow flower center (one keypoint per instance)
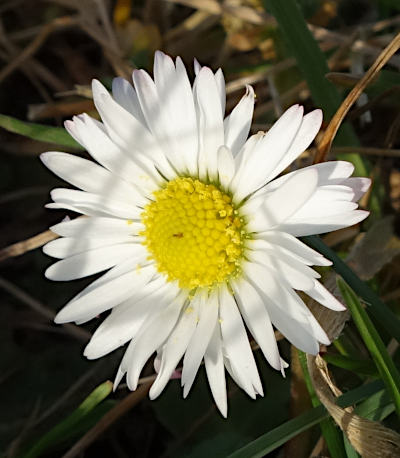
(194, 233)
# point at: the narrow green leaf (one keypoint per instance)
(350, 452)
(376, 306)
(313, 65)
(275, 438)
(377, 407)
(70, 425)
(332, 435)
(359, 366)
(374, 343)
(40, 132)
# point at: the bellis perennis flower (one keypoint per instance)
(198, 233)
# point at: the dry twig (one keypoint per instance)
(27, 245)
(108, 420)
(336, 121)
(14, 290)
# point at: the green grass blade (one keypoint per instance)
(359, 366)
(273, 439)
(350, 452)
(71, 425)
(313, 65)
(376, 306)
(374, 343)
(332, 435)
(40, 132)
(377, 407)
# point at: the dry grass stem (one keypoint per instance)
(79, 333)
(27, 245)
(244, 13)
(330, 132)
(34, 46)
(108, 420)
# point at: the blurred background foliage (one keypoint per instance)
(54, 402)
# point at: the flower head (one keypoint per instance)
(195, 229)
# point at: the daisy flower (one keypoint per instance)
(195, 227)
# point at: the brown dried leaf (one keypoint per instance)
(375, 249)
(369, 438)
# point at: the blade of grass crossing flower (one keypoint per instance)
(40, 132)
(376, 307)
(374, 343)
(81, 418)
(275, 438)
(332, 435)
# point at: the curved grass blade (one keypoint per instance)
(332, 435)
(376, 306)
(275, 438)
(374, 343)
(72, 425)
(40, 132)
(359, 366)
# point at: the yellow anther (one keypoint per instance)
(193, 234)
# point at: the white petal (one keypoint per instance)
(226, 166)
(359, 185)
(294, 246)
(176, 98)
(126, 131)
(92, 262)
(175, 347)
(329, 173)
(208, 315)
(255, 171)
(126, 96)
(114, 158)
(106, 296)
(236, 344)
(214, 362)
(257, 320)
(238, 123)
(287, 311)
(67, 246)
(211, 129)
(86, 201)
(277, 289)
(325, 298)
(152, 336)
(129, 265)
(196, 66)
(251, 392)
(157, 117)
(126, 319)
(298, 275)
(100, 227)
(323, 209)
(284, 201)
(220, 81)
(89, 176)
(318, 225)
(294, 333)
(308, 130)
